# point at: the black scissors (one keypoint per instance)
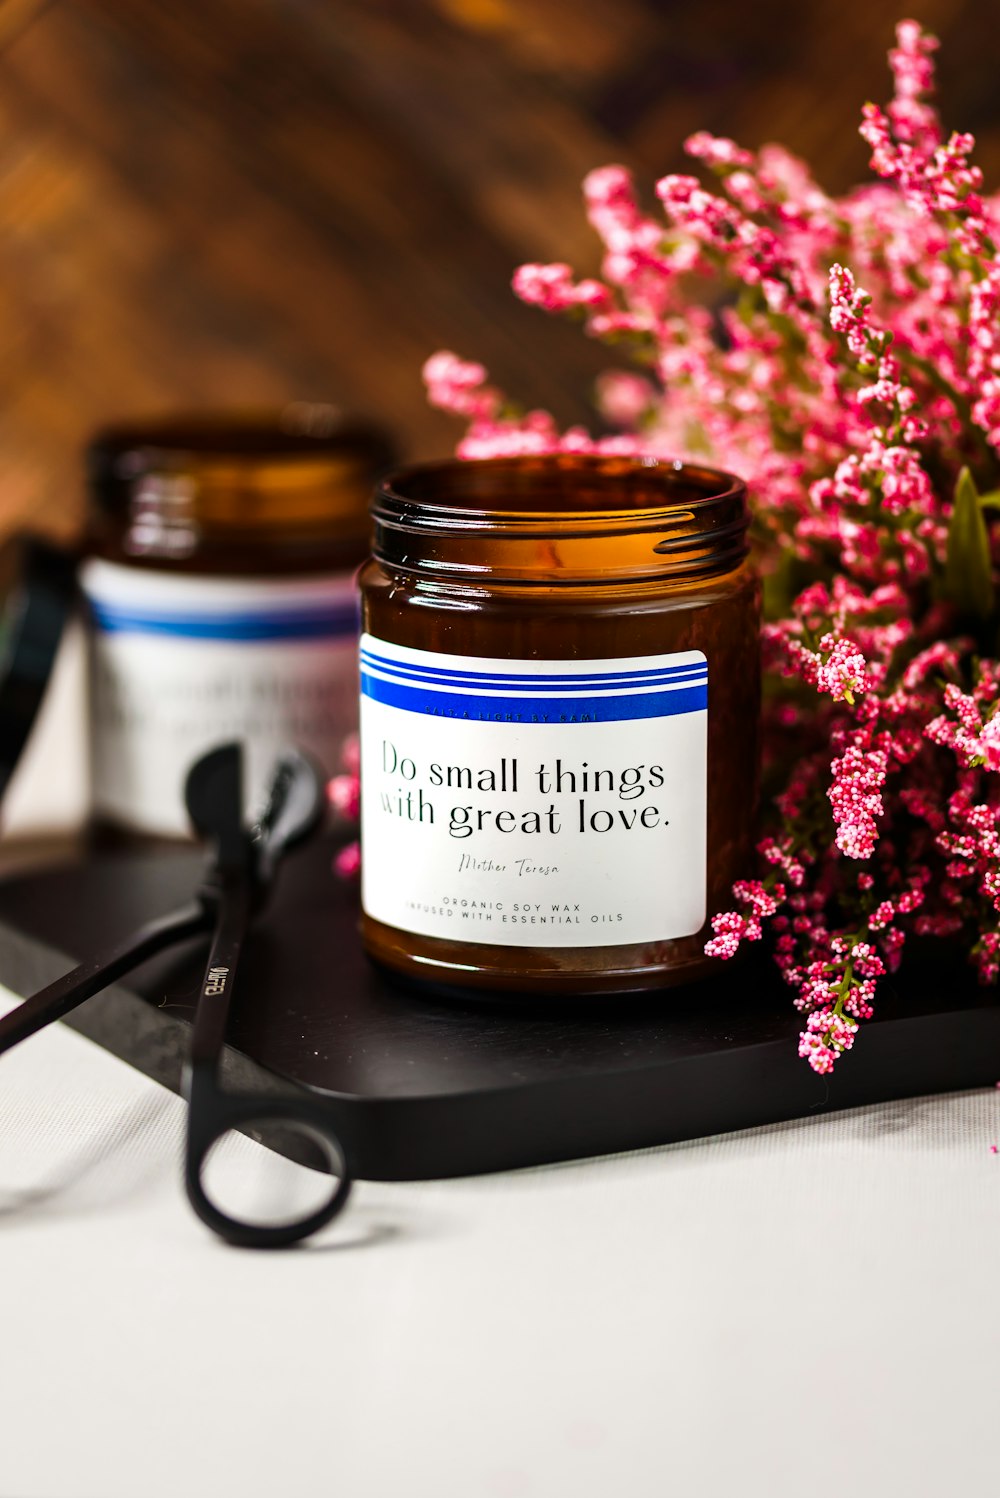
(238, 877)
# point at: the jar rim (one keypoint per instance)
(536, 518)
(402, 495)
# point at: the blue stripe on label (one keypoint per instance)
(459, 681)
(534, 686)
(448, 676)
(618, 708)
(295, 624)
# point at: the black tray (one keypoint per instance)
(422, 1086)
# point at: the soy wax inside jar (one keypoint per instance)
(560, 697)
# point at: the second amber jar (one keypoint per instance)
(221, 599)
(560, 697)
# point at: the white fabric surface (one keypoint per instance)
(810, 1309)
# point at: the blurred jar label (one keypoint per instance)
(179, 664)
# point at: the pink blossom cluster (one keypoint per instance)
(344, 795)
(845, 358)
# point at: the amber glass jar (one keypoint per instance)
(222, 600)
(560, 700)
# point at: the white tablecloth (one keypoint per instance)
(804, 1310)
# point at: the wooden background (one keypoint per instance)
(245, 201)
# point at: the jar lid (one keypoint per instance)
(37, 594)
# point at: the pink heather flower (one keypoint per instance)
(347, 863)
(842, 671)
(914, 120)
(941, 657)
(849, 310)
(751, 893)
(856, 798)
(343, 791)
(350, 754)
(826, 1036)
(730, 929)
(717, 151)
(637, 258)
(989, 743)
(865, 961)
(344, 794)
(610, 196)
(625, 398)
(458, 386)
(858, 1003)
(552, 288)
(851, 370)
(882, 915)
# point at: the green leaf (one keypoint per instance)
(990, 501)
(968, 576)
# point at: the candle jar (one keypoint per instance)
(560, 686)
(221, 599)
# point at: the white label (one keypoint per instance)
(179, 664)
(534, 803)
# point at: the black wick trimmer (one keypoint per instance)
(238, 877)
